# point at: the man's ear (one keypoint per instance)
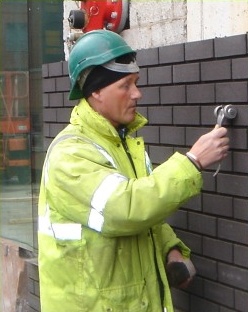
(96, 94)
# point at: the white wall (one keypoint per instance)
(209, 19)
(156, 23)
(163, 22)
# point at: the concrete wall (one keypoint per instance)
(164, 22)
(181, 85)
(210, 19)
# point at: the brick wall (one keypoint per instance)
(181, 86)
(33, 297)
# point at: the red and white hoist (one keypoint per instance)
(98, 14)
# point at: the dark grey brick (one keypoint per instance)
(34, 302)
(238, 138)
(233, 276)
(209, 184)
(49, 85)
(30, 285)
(62, 84)
(160, 115)
(37, 288)
(240, 68)
(30, 309)
(55, 69)
(49, 115)
(32, 269)
(186, 73)
(181, 149)
(171, 54)
(186, 115)
(241, 255)
(65, 68)
(147, 57)
(240, 208)
(150, 134)
(63, 115)
(45, 72)
(224, 309)
(149, 96)
(178, 219)
(45, 100)
(68, 102)
(194, 204)
(196, 286)
(201, 93)
(232, 185)
(160, 75)
(143, 77)
(199, 223)
(233, 231)
(56, 100)
(226, 165)
(206, 267)
(47, 142)
(202, 305)
(46, 129)
(216, 70)
(159, 154)
(207, 115)
(219, 293)
(55, 128)
(217, 249)
(143, 111)
(229, 46)
(172, 135)
(240, 162)
(241, 300)
(242, 115)
(231, 92)
(194, 241)
(193, 134)
(180, 299)
(199, 50)
(217, 204)
(173, 95)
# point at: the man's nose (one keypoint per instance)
(136, 93)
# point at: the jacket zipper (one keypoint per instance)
(122, 133)
(160, 283)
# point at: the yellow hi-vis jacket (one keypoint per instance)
(102, 237)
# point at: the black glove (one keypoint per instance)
(180, 274)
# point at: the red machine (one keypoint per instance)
(99, 14)
(15, 125)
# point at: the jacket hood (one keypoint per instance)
(83, 115)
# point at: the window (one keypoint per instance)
(32, 32)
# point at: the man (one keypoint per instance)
(103, 243)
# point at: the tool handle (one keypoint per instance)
(222, 112)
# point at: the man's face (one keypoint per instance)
(117, 102)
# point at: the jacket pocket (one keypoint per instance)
(128, 298)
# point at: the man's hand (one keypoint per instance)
(211, 147)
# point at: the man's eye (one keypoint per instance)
(125, 85)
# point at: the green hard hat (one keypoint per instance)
(94, 48)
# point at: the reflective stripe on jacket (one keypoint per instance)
(100, 227)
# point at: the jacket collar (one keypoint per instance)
(84, 115)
